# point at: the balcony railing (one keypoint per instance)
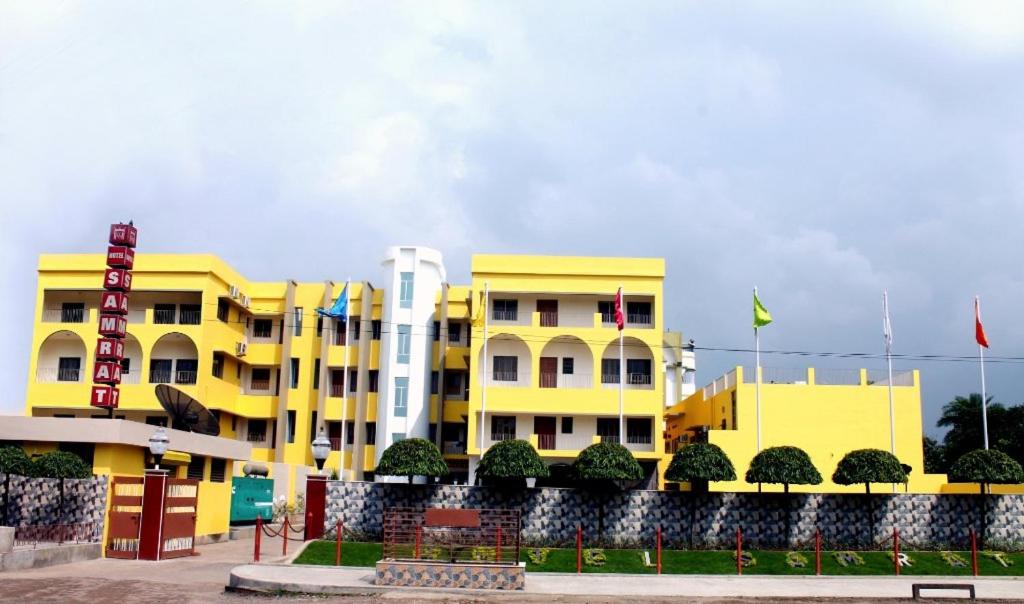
(573, 442)
(452, 447)
(505, 315)
(566, 380)
(640, 447)
(160, 376)
(52, 375)
(456, 396)
(185, 377)
(190, 317)
(69, 315)
(256, 437)
(549, 318)
(259, 386)
(337, 390)
(609, 438)
(509, 379)
(502, 436)
(638, 320)
(634, 381)
(546, 441)
(164, 316)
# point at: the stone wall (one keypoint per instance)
(37, 501)
(550, 516)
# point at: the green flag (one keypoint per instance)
(761, 315)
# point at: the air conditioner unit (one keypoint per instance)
(245, 301)
(234, 291)
(241, 348)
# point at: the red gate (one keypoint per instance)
(152, 518)
(124, 518)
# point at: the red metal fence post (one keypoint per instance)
(337, 543)
(817, 551)
(419, 532)
(579, 549)
(284, 537)
(896, 550)
(739, 551)
(259, 534)
(658, 544)
(974, 553)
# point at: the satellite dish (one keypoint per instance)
(186, 413)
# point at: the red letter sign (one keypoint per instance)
(119, 256)
(123, 234)
(105, 396)
(109, 349)
(114, 303)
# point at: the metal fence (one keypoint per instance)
(33, 535)
(452, 535)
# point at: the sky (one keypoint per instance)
(822, 152)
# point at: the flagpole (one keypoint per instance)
(344, 379)
(622, 370)
(483, 382)
(757, 380)
(887, 326)
(981, 359)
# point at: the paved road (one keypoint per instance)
(201, 579)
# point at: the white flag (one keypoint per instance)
(886, 323)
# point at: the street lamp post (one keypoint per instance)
(158, 445)
(321, 449)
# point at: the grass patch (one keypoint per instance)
(352, 554)
(698, 562)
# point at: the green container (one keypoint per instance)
(251, 498)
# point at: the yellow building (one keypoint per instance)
(274, 372)
(825, 412)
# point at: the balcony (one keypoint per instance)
(54, 375)
(639, 320)
(258, 439)
(259, 387)
(171, 316)
(634, 381)
(65, 315)
(562, 380)
(508, 379)
(337, 390)
(453, 448)
(167, 376)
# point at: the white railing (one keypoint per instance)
(185, 377)
(258, 387)
(57, 315)
(508, 379)
(53, 375)
(497, 437)
(575, 380)
(775, 375)
(136, 317)
(642, 447)
(639, 320)
(134, 377)
(573, 442)
(570, 318)
(837, 377)
(510, 317)
(880, 377)
(634, 381)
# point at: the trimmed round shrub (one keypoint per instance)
(512, 459)
(783, 465)
(412, 457)
(60, 464)
(607, 461)
(986, 466)
(699, 463)
(865, 466)
(13, 460)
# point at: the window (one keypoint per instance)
(397, 436)
(196, 468)
(638, 371)
(291, 426)
(375, 329)
(297, 320)
(374, 377)
(218, 468)
(350, 432)
(506, 369)
(156, 420)
(609, 371)
(454, 333)
(334, 435)
(262, 328)
(735, 418)
(638, 312)
(433, 382)
(68, 369)
(405, 290)
(404, 343)
(436, 331)
(355, 329)
(567, 365)
(185, 371)
(503, 427)
(257, 430)
(72, 312)
(163, 314)
(638, 430)
(312, 426)
(160, 371)
(218, 365)
(566, 425)
(505, 310)
(319, 326)
(401, 396)
(260, 378)
(607, 310)
(608, 429)
(432, 433)
(371, 433)
(340, 332)
(316, 374)
(191, 314)
(222, 310)
(293, 373)
(353, 380)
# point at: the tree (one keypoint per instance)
(602, 467)
(13, 460)
(934, 456)
(783, 465)
(699, 464)
(867, 466)
(985, 467)
(963, 418)
(60, 464)
(512, 461)
(412, 457)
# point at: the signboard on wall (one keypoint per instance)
(113, 323)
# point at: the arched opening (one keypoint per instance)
(131, 364)
(639, 370)
(61, 359)
(174, 359)
(566, 362)
(508, 362)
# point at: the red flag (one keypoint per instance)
(979, 331)
(620, 317)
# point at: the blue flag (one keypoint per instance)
(340, 306)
